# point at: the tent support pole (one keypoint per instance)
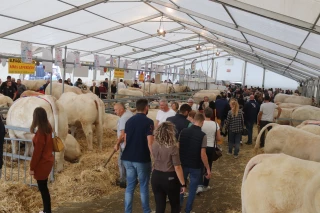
(64, 68)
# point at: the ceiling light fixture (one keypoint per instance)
(198, 47)
(161, 31)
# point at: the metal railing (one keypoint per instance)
(16, 163)
(131, 100)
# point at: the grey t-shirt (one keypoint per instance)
(122, 123)
(267, 110)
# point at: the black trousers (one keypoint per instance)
(205, 181)
(166, 184)
(43, 188)
(263, 124)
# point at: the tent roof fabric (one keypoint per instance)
(278, 35)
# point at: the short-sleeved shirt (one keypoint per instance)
(165, 158)
(210, 128)
(122, 123)
(137, 129)
(267, 110)
(162, 116)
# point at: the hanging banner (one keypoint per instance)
(3, 61)
(58, 53)
(47, 54)
(77, 62)
(175, 69)
(141, 77)
(115, 62)
(111, 61)
(146, 66)
(96, 61)
(26, 52)
(16, 67)
(102, 61)
(118, 73)
(193, 65)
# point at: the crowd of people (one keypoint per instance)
(180, 144)
(178, 148)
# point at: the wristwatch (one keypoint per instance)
(184, 185)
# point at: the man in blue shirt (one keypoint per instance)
(222, 109)
(136, 155)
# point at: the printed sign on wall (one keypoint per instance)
(26, 52)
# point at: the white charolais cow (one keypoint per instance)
(73, 151)
(310, 126)
(274, 183)
(283, 98)
(291, 141)
(199, 96)
(179, 88)
(57, 89)
(30, 93)
(33, 85)
(157, 88)
(303, 113)
(123, 93)
(87, 109)
(20, 114)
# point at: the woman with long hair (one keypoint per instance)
(167, 176)
(42, 159)
(234, 125)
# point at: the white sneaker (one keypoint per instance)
(186, 194)
(206, 188)
(199, 189)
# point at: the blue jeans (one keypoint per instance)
(122, 169)
(141, 171)
(249, 126)
(234, 140)
(195, 175)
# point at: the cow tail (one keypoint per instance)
(257, 146)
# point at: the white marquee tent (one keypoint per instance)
(282, 36)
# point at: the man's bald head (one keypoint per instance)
(251, 97)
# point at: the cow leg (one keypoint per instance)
(99, 133)
(14, 144)
(73, 130)
(59, 158)
(87, 129)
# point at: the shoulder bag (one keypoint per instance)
(216, 151)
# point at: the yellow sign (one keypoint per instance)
(119, 73)
(18, 60)
(21, 68)
(141, 77)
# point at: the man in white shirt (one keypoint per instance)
(192, 104)
(124, 115)
(164, 112)
(211, 128)
(265, 115)
(121, 85)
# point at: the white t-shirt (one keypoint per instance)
(121, 85)
(267, 110)
(162, 116)
(210, 128)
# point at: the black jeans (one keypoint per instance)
(163, 184)
(204, 181)
(263, 124)
(43, 188)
